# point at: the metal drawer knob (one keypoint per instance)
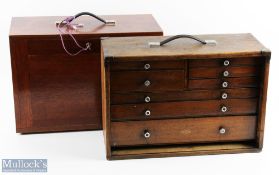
(147, 66)
(224, 109)
(226, 73)
(222, 130)
(225, 84)
(146, 134)
(147, 99)
(147, 113)
(226, 62)
(147, 83)
(224, 95)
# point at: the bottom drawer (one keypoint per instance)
(190, 130)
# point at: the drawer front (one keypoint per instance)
(147, 81)
(176, 131)
(147, 65)
(224, 62)
(243, 82)
(219, 72)
(183, 109)
(128, 98)
(54, 46)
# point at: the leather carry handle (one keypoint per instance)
(66, 24)
(156, 44)
(71, 18)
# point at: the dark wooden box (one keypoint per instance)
(57, 92)
(183, 98)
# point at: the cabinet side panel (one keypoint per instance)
(20, 75)
(262, 104)
(105, 76)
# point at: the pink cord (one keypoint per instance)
(61, 33)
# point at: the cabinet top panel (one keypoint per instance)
(125, 25)
(137, 48)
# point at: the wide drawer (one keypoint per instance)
(219, 72)
(146, 65)
(146, 97)
(183, 109)
(243, 82)
(176, 131)
(134, 81)
(226, 62)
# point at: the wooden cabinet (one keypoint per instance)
(183, 98)
(54, 91)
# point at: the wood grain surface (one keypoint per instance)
(137, 48)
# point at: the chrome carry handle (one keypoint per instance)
(157, 44)
(71, 18)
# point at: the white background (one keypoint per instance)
(84, 152)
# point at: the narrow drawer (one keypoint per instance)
(146, 81)
(179, 131)
(243, 82)
(219, 72)
(224, 62)
(54, 46)
(147, 65)
(128, 98)
(183, 109)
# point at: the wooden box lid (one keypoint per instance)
(125, 25)
(137, 48)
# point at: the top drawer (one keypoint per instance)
(54, 46)
(147, 81)
(224, 62)
(147, 65)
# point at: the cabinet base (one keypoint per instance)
(182, 150)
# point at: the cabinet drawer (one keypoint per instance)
(54, 46)
(219, 72)
(147, 81)
(183, 109)
(147, 65)
(128, 98)
(176, 131)
(244, 82)
(224, 62)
